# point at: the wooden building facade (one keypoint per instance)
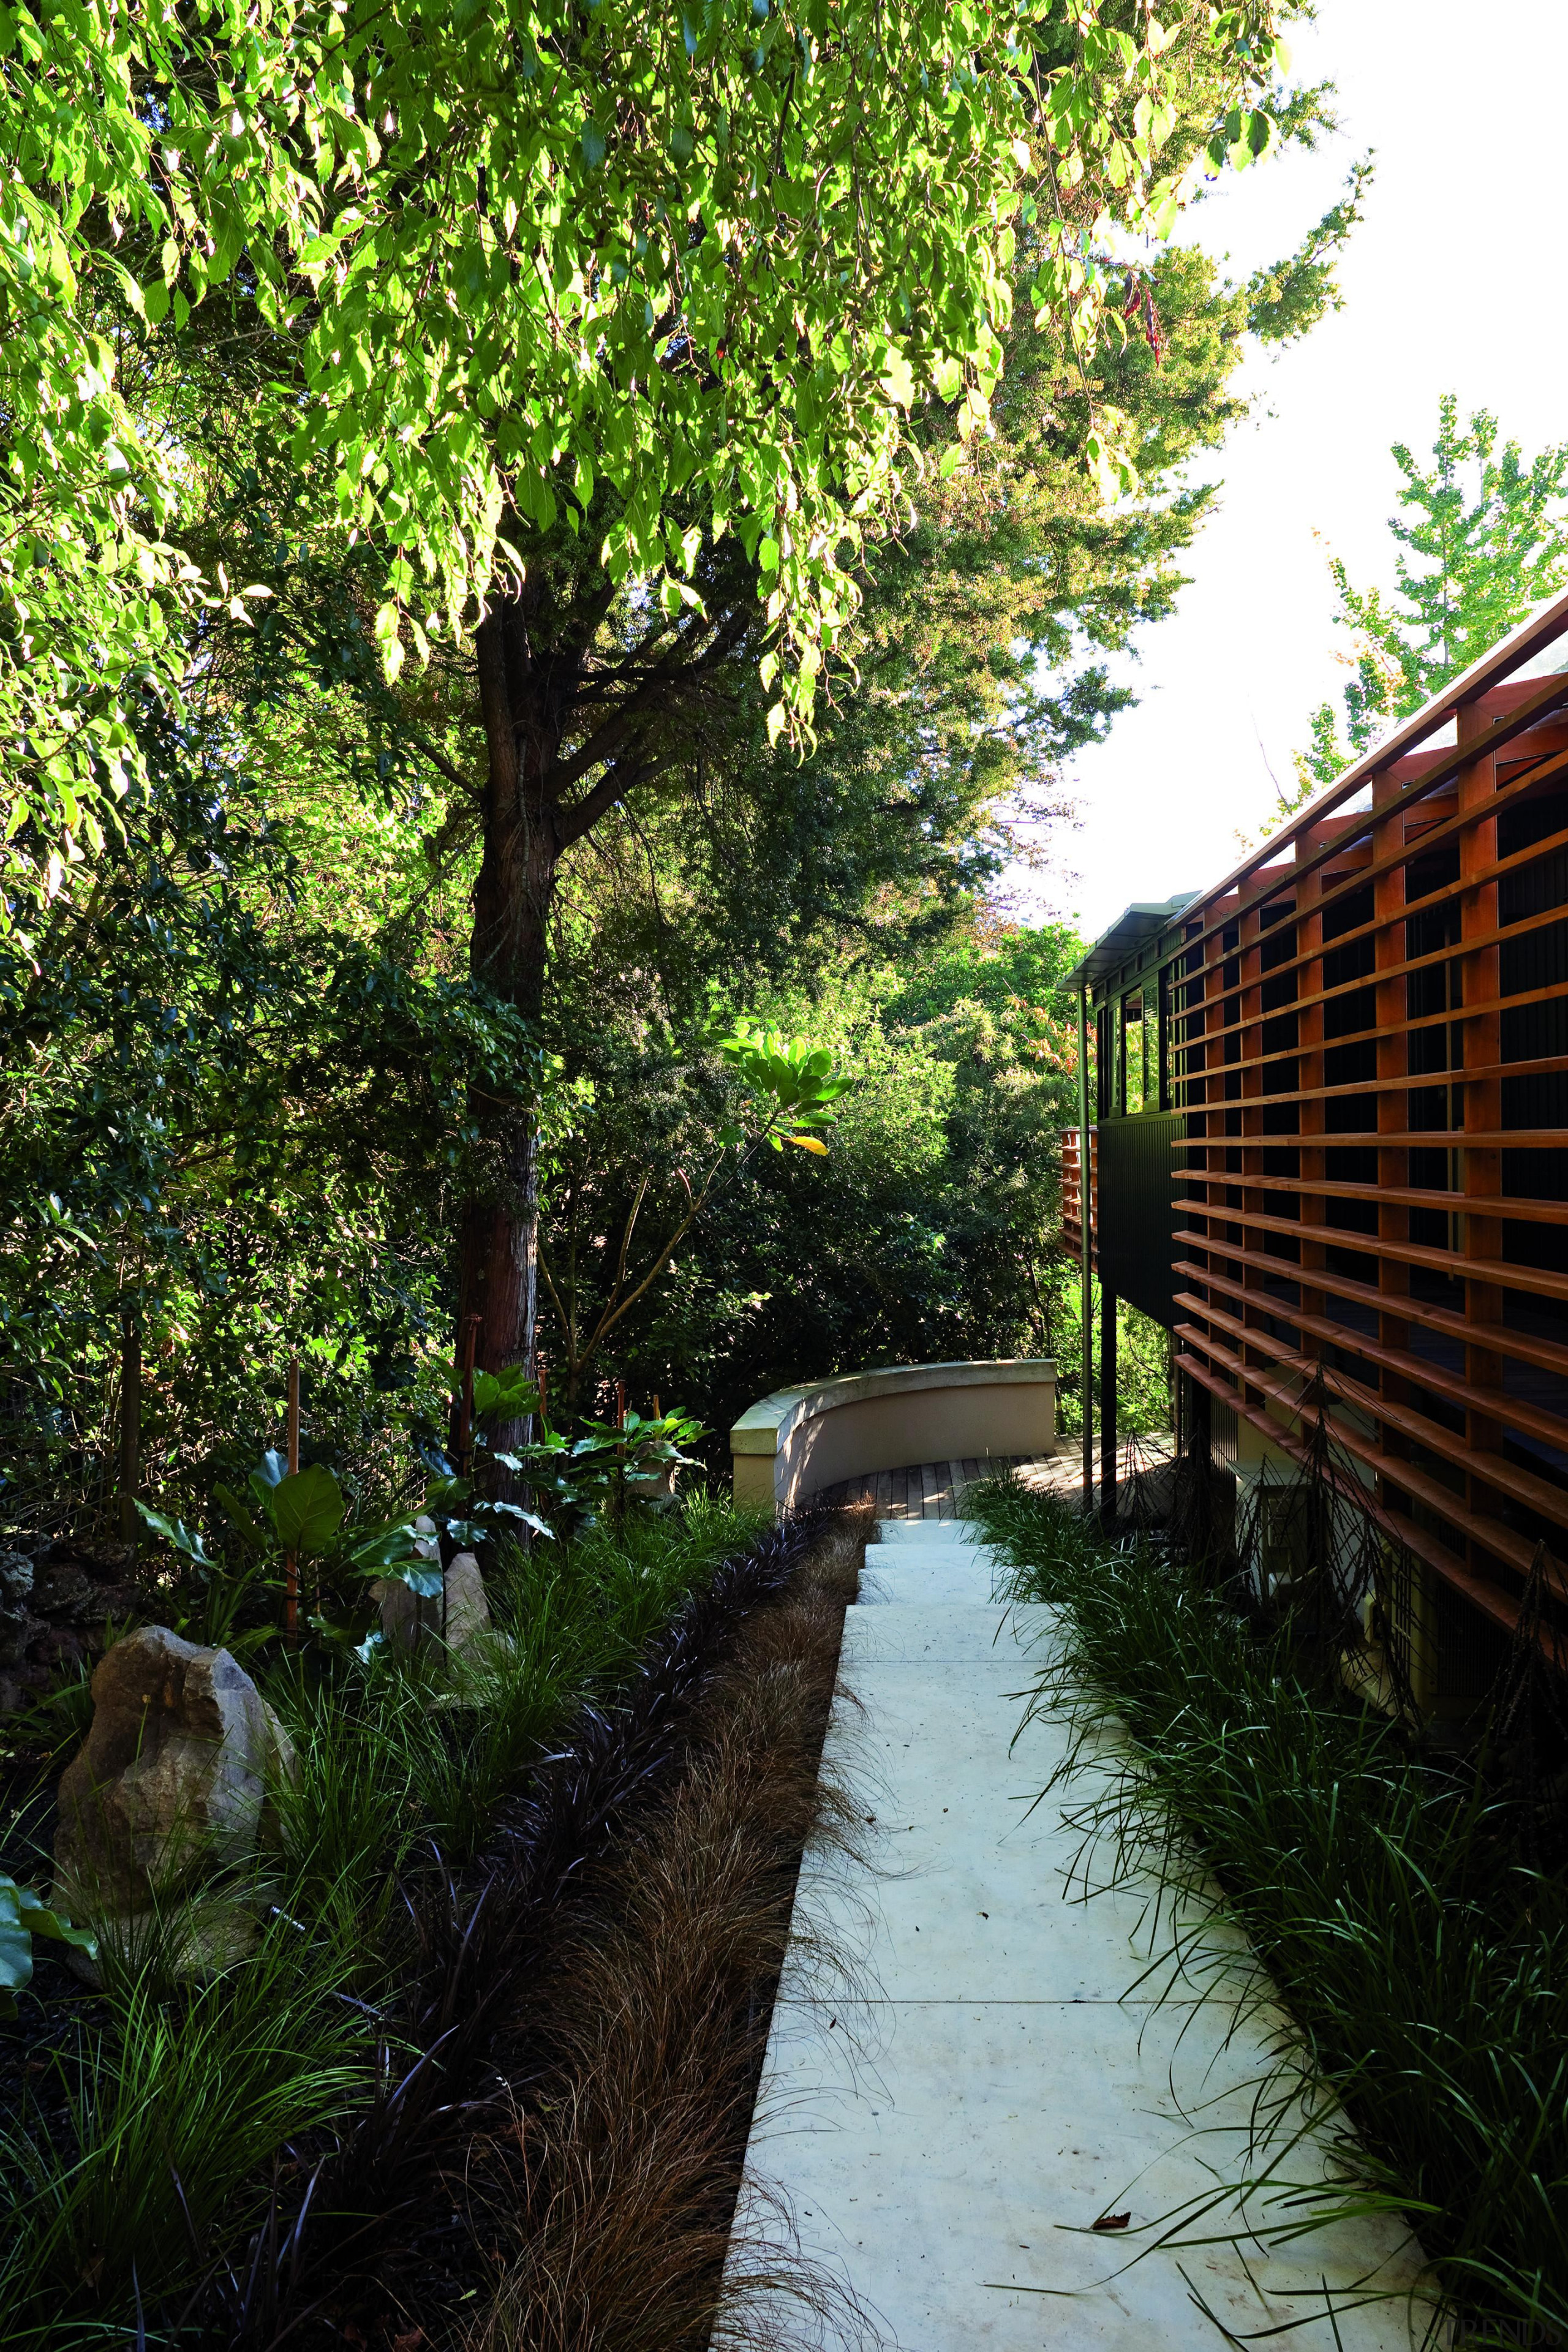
(1329, 1130)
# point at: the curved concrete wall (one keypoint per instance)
(799, 1440)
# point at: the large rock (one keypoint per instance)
(15, 1617)
(172, 1779)
(406, 1616)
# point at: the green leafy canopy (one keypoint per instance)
(1482, 541)
(486, 259)
(801, 1080)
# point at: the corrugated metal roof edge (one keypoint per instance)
(1142, 921)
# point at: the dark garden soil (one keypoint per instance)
(57, 2011)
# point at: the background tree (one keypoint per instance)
(1483, 540)
(247, 1054)
(232, 1126)
(600, 327)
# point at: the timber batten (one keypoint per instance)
(1357, 1047)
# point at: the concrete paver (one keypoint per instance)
(948, 2125)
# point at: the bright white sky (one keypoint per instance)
(1453, 282)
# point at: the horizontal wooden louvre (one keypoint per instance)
(1368, 1045)
(1370, 1049)
(1072, 1188)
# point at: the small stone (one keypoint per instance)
(460, 1621)
(172, 1775)
(405, 1618)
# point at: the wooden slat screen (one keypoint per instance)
(1071, 1182)
(1370, 1047)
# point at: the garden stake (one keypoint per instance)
(129, 1421)
(466, 1399)
(290, 1560)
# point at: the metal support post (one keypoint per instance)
(1107, 1402)
(1085, 1299)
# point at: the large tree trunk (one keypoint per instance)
(533, 650)
(522, 838)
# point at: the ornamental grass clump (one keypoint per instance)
(1392, 1894)
(610, 2179)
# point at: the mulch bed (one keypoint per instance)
(586, 2194)
(396, 2237)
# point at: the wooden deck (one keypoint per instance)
(935, 1490)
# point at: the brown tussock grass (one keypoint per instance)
(623, 2160)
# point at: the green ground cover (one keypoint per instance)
(1389, 1894)
(141, 2146)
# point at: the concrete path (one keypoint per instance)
(945, 2137)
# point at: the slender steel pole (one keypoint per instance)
(1085, 1168)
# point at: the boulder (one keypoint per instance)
(75, 1584)
(172, 1777)
(59, 1601)
(15, 1578)
(403, 1616)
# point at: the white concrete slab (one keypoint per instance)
(972, 1869)
(960, 1572)
(898, 1533)
(896, 1631)
(990, 2067)
(948, 2174)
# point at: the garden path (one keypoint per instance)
(946, 2137)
